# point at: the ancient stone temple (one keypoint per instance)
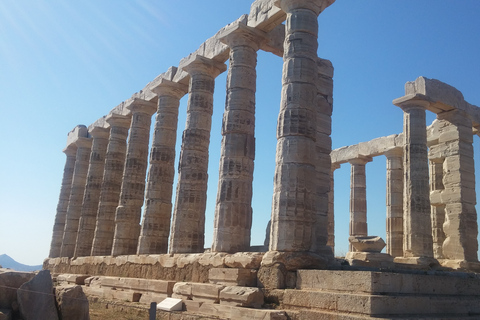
(116, 220)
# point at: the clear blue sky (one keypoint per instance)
(64, 63)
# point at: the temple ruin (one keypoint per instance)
(116, 222)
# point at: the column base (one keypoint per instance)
(461, 265)
(420, 262)
(370, 259)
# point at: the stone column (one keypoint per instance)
(74, 210)
(358, 198)
(129, 210)
(294, 195)
(233, 212)
(91, 197)
(331, 210)
(437, 206)
(417, 223)
(188, 226)
(394, 202)
(111, 185)
(459, 197)
(59, 225)
(158, 197)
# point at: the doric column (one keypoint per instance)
(129, 210)
(358, 198)
(91, 197)
(111, 185)
(59, 225)
(437, 206)
(233, 212)
(417, 223)
(294, 195)
(188, 227)
(459, 197)
(158, 196)
(394, 202)
(331, 210)
(74, 210)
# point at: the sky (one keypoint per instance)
(64, 63)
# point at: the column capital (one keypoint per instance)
(142, 106)
(394, 153)
(170, 88)
(413, 101)
(360, 160)
(99, 133)
(70, 150)
(335, 166)
(316, 6)
(239, 34)
(115, 119)
(201, 65)
(84, 142)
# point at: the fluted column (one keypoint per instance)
(358, 198)
(331, 209)
(294, 195)
(233, 212)
(394, 202)
(129, 210)
(417, 237)
(188, 226)
(74, 210)
(111, 185)
(91, 197)
(59, 225)
(158, 196)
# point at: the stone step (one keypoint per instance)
(232, 312)
(465, 284)
(382, 305)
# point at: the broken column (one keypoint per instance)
(74, 210)
(59, 225)
(188, 226)
(293, 210)
(417, 237)
(91, 197)
(158, 196)
(358, 198)
(129, 210)
(394, 202)
(111, 185)
(233, 212)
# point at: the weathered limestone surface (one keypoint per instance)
(88, 217)
(72, 303)
(437, 206)
(158, 196)
(394, 202)
(74, 210)
(233, 277)
(10, 281)
(241, 297)
(189, 214)
(233, 212)
(59, 224)
(128, 213)
(111, 185)
(35, 298)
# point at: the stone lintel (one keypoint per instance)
(98, 123)
(316, 6)
(239, 33)
(265, 16)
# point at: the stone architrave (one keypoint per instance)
(188, 226)
(158, 196)
(459, 197)
(59, 225)
(437, 206)
(79, 180)
(129, 210)
(233, 212)
(91, 197)
(358, 198)
(394, 202)
(294, 195)
(111, 185)
(417, 223)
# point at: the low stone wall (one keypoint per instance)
(177, 267)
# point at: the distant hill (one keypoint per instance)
(7, 262)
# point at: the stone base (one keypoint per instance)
(418, 262)
(461, 265)
(370, 259)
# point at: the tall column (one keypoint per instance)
(394, 202)
(74, 210)
(459, 197)
(91, 197)
(188, 227)
(129, 210)
(111, 185)
(59, 225)
(158, 197)
(331, 209)
(233, 212)
(294, 195)
(358, 198)
(437, 206)
(417, 223)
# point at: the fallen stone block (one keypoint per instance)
(35, 298)
(233, 277)
(78, 279)
(242, 297)
(72, 303)
(206, 292)
(182, 290)
(10, 281)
